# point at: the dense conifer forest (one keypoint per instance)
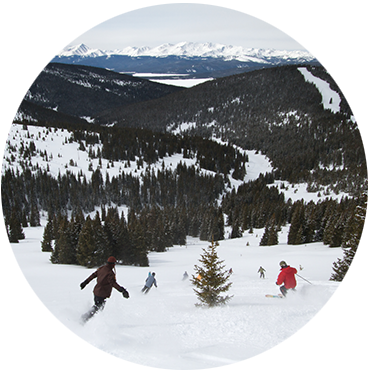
(164, 205)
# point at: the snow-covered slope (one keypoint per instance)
(63, 155)
(164, 329)
(191, 49)
(331, 99)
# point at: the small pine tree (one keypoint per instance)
(15, 232)
(270, 236)
(264, 239)
(273, 237)
(46, 244)
(236, 231)
(210, 280)
(34, 216)
(354, 227)
(86, 245)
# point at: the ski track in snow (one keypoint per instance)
(164, 329)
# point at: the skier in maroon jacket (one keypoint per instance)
(106, 281)
(286, 277)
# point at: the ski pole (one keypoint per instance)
(304, 279)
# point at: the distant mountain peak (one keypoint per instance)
(191, 49)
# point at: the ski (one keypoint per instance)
(274, 296)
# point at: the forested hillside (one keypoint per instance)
(274, 111)
(165, 203)
(82, 92)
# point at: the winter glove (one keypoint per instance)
(125, 293)
(83, 284)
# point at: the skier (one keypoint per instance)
(262, 272)
(106, 280)
(149, 283)
(286, 277)
(185, 276)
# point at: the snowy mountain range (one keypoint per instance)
(191, 49)
(184, 57)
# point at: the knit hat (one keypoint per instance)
(112, 260)
(283, 264)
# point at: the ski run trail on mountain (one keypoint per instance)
(164, 329)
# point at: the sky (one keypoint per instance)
(280, 26)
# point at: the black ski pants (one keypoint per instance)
(99, 304)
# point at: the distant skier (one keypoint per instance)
(185, 276)
(286, 277)
(106, 281)
(262, 272)
(149, 282)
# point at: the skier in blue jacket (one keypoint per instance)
(149, 282)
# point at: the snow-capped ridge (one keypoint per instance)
(191, 49)
(62, 51)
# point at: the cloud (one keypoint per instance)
(16, 9)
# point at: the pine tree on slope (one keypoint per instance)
(15, 231)
(354, 232)
(86, 245)
(210, 280)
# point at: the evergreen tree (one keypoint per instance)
(295, 230)
(236, 231)
(86, 245)
(35, 215)
(270, 236)
(102, 247)
(273, 238)
(125, 248)
(204, 228)
(354, 229)
(336, 237)
(15, 231)
(138, 248)
(24, 221)
(61, 242)
(218, 227)
(112, 230)
(46, 244)
(263, 241)
(194, 226)
(68, 240)
(178, 229)
(210, 279)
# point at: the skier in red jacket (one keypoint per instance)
(286, 277)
